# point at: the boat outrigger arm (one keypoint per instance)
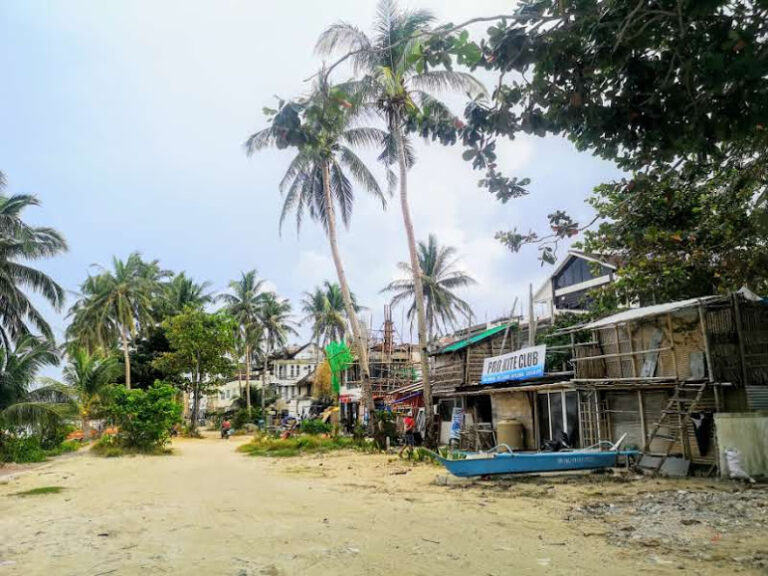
(509, 462)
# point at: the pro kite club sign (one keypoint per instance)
(519, 365)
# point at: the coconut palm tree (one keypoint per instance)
(20, 243)
(394, 85)
(244, 304)
(115, 304)
(183, 291)
(19, 367)
(324, 308)
(321, 126)
(440, 278)
(275, 320)
(87, 378)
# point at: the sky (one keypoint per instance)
(127, 120)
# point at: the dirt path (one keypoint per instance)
(210, 510)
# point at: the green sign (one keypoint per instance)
(339, 358)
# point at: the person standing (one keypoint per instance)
(408, 425)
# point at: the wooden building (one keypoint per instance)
(657, 373)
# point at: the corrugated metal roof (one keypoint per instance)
(461, 344)
(665, 308)
(648, 311)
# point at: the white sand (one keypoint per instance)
(208, 510)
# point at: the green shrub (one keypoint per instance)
(144, 417)
(241, 418)
(53, 434)
(384, 428)
(316, 426)
(108, 446)
(20, 448)
(63, 448)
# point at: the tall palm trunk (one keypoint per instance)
(264, 383)
(360, 344)
(240, 377)
(86, 418)
(126, 357)
(418, 286)
(248, 379)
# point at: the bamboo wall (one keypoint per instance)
(623, 348)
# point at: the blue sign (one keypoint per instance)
(456, 422)
(519, 365)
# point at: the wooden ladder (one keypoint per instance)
(683, 403)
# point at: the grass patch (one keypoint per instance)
(109, 447)
(296, 445)
(64, 448)
(39, 491)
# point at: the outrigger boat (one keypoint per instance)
(509, 462)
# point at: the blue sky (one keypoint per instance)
(127, 120)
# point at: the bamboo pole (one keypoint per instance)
(631, 349)
(618, 348)
(623, 354)
(707, 351)
(672, 346)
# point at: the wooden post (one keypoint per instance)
(597, 414)
(531, 318)
(632, 350)
(618, 349)
(672, 346)
(740, 335)
(707, 352)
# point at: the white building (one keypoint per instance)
(291, 374)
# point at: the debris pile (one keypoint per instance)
(690, 522)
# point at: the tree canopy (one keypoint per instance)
(200, 344)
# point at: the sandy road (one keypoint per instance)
(209, 510)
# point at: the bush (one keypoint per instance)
(384, 428)
(316, 426)
(144, 417)
(108, 446)
(20, 448)
(64, 448)
(241, 418)
(53, 434)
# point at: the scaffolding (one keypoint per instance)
(392, 363)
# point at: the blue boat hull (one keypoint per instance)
(527, 463)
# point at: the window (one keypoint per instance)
(558, 413)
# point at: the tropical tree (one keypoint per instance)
(275, 319)
(19, 368)
(324, 308)
(19, 405)
(20, 243)
(440, 278)
(114, 304)
(401, 91)
(318, 181)
(200, 343)
(86, 380)
(244, 305)
(182, 291)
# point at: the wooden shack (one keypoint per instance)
(657, 373)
